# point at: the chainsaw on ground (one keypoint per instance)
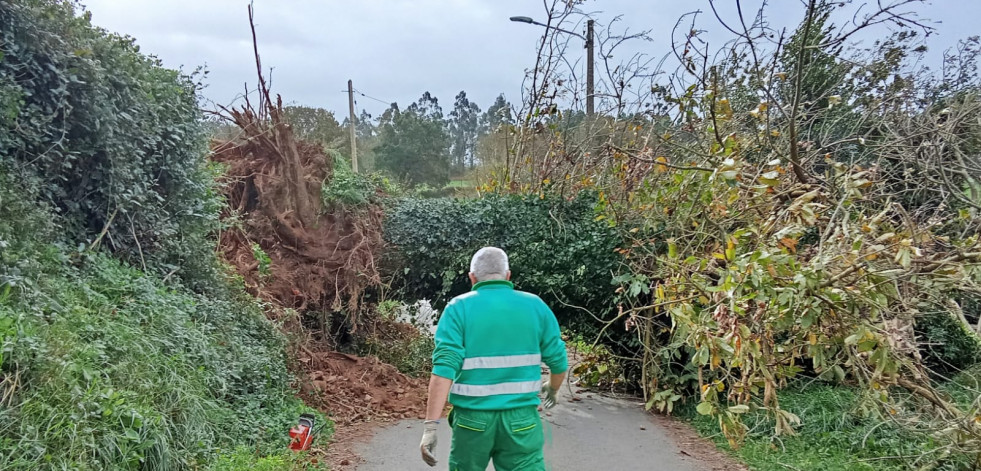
(301, 436)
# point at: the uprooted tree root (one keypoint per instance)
(319, 260)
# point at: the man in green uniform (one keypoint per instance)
(490, 344)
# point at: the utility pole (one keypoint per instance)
(354, 143)
(590, 109)
(589, 68)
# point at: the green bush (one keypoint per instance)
(410, 354)
(963, 388)
(109, 368)
(103, 365)
(426, 191)
(945, 343)
(23, 222)
(344, 187)
(557, 248)
(107, 137)
(117, 371)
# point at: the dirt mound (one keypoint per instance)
(359, 392)
(358, 389)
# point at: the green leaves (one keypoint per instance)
(664, 401)
(314, 125)
(262, 258)
(739, 409)
(97, 129)
(557, 250)
(414, 144)
(351, 189)
(161, 377)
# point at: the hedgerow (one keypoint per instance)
(122, 343)
(558, 249)
(108, 137)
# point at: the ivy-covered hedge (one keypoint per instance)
(135, 353)
(107, 136)
(103, 366)
(946, 345)
(557, 248)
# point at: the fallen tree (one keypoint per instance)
(796, 208)
(320, 259)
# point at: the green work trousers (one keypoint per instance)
(513, 438)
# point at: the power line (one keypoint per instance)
(359, 92)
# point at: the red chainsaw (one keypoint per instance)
(301, 436)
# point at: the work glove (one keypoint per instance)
(429, 442)
(549, 401)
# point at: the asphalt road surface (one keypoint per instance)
(593, 433)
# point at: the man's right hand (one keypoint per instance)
(429, 442)
(550, 400)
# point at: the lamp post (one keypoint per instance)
(588, 38)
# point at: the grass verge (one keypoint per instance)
(836, 434)
(103, 366)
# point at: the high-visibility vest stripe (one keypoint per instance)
(503, 361)
(483, 390)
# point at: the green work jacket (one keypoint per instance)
(491, 342)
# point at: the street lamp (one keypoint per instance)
(589, 53)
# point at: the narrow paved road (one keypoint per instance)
(594, 433)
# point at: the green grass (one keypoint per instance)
(833, 436)
(243, 458)
(119, 371)
(460, 184)
(103, 366)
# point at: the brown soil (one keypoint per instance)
(361, 389)
(360, 393)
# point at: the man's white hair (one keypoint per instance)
(489, 263)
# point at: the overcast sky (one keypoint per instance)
(396, 49)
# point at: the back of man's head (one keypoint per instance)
(490, 263)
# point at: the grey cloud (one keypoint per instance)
(397, 49)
